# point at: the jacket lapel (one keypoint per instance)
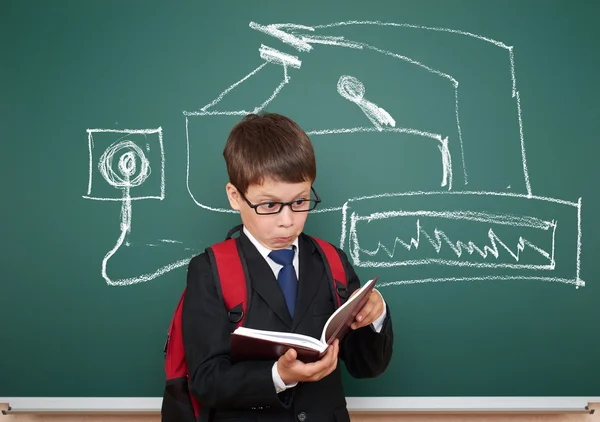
(312, 275)
(263, 281)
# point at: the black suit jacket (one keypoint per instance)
(244, 391)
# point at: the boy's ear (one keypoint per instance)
(233, 196)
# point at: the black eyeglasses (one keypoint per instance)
(272, 207)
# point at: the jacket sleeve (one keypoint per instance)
(214, 380)
(365, 352)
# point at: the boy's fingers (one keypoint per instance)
(361, 320)
(369, 312)
(367, 309)
(333, 361)
(317, 370)
(318, 366)
(336, 353)
(332, 357)
(291, 355)
(375, 303)
(323, 367)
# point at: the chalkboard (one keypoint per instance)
(457, 160)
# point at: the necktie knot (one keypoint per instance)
(283, 256)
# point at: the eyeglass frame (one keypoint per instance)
(316, 200)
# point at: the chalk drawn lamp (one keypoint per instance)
(125, 164)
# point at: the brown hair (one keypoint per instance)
(268, 145)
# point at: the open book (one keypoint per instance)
(253, 344)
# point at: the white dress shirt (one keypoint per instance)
(277, 381)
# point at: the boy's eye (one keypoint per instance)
(269, 205)
(299, 201)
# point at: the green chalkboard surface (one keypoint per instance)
(457, 160)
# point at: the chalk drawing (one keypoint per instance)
(354, 91)
(467, 253)
(125, 166)
(520, 258)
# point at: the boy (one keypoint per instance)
(271, 167)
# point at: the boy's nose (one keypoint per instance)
(286, 217)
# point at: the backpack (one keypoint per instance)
(178, 405)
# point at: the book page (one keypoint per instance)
(283, 337)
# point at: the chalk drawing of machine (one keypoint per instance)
(436, 128)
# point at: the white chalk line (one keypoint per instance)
(578, 237)
(452, 263)
(386, 118)
(458, 248)
(272, 55)
(360, 129)
(447, 169)
(275, 31)
(303, 43)
(125, 229)
(283, 83)
(576, 282)
(462, 149)
(522, 138)
(481, 217)
(476, 193)
(90, 148)
(515, 93)
(334, 41)
(354, 91)
(344, 223)
(322, 210)
(456, 104)
(406, 25)
(148, 276)
(339, 41)
(283, 59)
(137, 198)
(170, 241)
(127, 168)
(222, 94)
(187, 177)
(127, 131)
(216, 113)
(126, 214)
(108, 155)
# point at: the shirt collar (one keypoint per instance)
(264, 251)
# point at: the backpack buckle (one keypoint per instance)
(236, 314)
(341, 290)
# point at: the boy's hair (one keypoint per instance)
(265, 146)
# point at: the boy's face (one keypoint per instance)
(274, 231)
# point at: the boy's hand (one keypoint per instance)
(371, 310)
(292, 370)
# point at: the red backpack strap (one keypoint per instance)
(331, 256)
(229, 270)
(175, 365)
(176, 393)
